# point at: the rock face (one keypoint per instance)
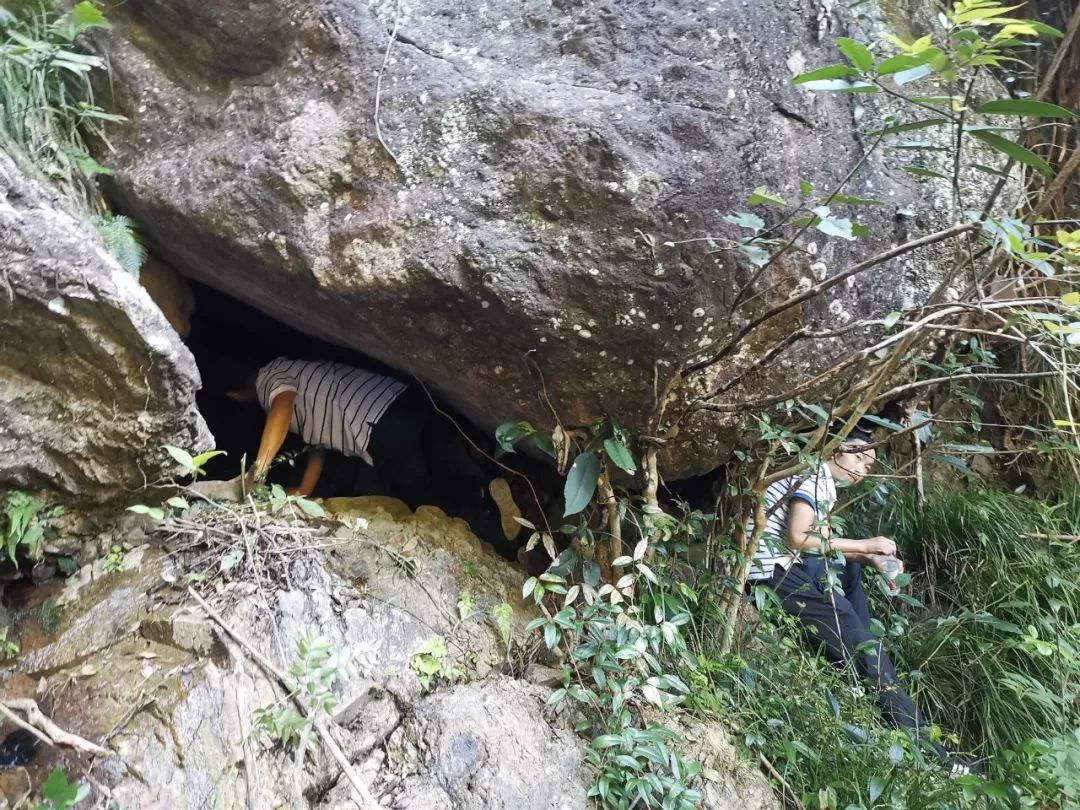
(125, 658)
(485, 196)
(93, 380)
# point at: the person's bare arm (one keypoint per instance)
(311, 474)
(274, 433)
(803, 536)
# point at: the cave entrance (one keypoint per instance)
(222, 325)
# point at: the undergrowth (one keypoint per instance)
(997, 644)
(46, 98)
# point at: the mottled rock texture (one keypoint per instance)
(133, 662)
(511, 221)
(93, 380)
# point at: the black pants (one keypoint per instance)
(399, 449)
(420, 459)
(841, 624)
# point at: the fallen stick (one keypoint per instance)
(775, 774)
(364, 798)
(45, 729)
(1067, 538)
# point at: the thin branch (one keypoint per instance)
(365, 800)
(378, 88)
(45, 729)
(790, 242)
(817, 289)
(900, 389)
(1060, 54)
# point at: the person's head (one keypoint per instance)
(236, 375)
(854, 457)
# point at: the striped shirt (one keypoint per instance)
(336, 405)
(817, 488)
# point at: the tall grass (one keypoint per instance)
(818, 728)
(46, 98)
(997, 646)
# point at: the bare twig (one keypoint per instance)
(45, 729)
(378, 88)
(1067, 538)
(363, 796)
(789, 791)
(817, 289)
(1060, 54)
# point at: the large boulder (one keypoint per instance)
(93, 380)
(484, 197)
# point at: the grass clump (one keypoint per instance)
(816, 725)
(46, 98)
(996, 647)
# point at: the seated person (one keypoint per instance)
(359, 413)
(825, 593)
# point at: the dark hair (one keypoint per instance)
(231, 371)
(862, 432)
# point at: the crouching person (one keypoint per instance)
(364, 414)
(797, 557)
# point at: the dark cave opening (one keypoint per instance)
(458, 455)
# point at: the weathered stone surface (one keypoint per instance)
(93, 380)
(457, 739)
(535, 159)
(181, 720)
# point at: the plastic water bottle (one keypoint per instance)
(891, 568)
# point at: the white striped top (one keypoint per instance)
(817, 488)
(336, 405)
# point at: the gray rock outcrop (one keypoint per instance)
(486, 196)
(93, 380)
(126, 658)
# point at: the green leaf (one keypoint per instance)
(751, 221)
(1013, 150)
(859, 55)
(1043, 28)
(581, 482)
(510, 433)
(905, 61)
(59, 791)
(844, 199)
(202, 458)
(178, 503)
(892, 318)
(760, 196)
(828, 72)
(153, 511)
(230, 559)
(87, 165)
(909, 127)
(182, 457)
(878, 420)
(919, 171)
(310, 508)
(981, 12)
(912, 74)
(953, 461)
(1071, 299)
(805, 189)
(970, 448)
(833, 226)
(841, 86)
(85, 15)
(758, 256)
(618, 453)
(1024, 106)
(877, 787)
